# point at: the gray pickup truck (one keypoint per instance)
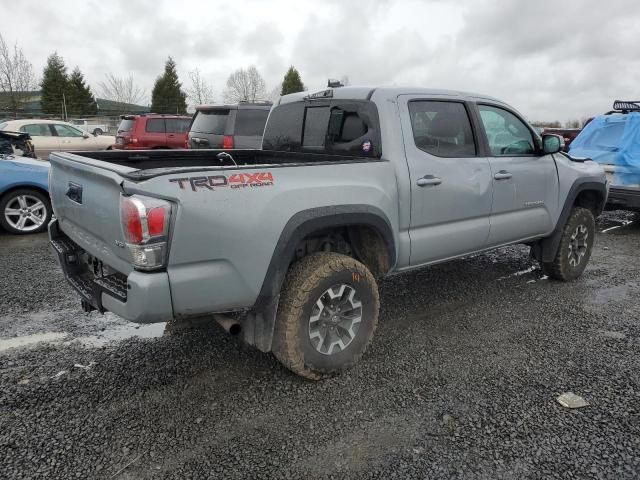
(286, 245)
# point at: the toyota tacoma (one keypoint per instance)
(286, 245)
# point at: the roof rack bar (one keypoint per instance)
(626, 105)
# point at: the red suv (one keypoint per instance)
(145, 132)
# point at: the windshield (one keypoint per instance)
(210, 122)
(607, 137)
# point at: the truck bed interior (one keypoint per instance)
(150, 163)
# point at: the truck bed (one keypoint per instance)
(151, 163)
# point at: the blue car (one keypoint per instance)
(613, 140)
(24, 188)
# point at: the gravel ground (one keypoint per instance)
(460, 382)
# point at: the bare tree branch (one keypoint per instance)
(274, 94)
(17, 78)
(121, 89)
(245, 86)
(201, 91)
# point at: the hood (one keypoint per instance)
(612, 140)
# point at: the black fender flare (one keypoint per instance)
(261, 318)
(549, 245)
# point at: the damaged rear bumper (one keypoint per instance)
(138, 297)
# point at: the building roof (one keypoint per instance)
(105, 107)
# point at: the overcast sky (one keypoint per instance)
(553, 60)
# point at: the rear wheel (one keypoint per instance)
(327, 314)
(575, 246)
(25, 211)
(97, 131)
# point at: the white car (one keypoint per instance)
(52, 135)
(93, 128)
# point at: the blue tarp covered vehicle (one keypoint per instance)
(613, 140)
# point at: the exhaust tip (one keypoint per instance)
(231, 326)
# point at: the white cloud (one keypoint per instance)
(551, 62)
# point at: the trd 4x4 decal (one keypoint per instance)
(236, 180)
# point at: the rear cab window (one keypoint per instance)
(336, 127)
(210, 121)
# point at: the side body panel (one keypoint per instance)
(449, 218)
(525, 187)
(23, 172)
(224, 237)
(147, 139)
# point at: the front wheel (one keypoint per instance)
(25, 211)
(327, 314)
(575, 246)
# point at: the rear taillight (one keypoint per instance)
(145, 227)
(132, 140)
(227, 142)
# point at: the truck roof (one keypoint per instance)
(382, 93)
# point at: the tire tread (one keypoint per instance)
(302, 278)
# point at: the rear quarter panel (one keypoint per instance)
(223, 238)
(23, 173)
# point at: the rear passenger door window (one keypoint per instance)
(507, 134)
(155, 125)
(37, 130)
(442, 128)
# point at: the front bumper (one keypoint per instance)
(138, 297)
(624, 198)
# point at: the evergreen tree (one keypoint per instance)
(80, 100)
(292, 82)
(55, 84)
(167, 95)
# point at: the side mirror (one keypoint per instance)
(552, 143)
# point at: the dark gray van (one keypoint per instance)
(228, 126)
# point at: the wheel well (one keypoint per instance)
(25, 187)
(591, 200)
(362, 242)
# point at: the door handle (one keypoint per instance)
(429, 181)
(502, 175)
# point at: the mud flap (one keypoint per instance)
(258, 325)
